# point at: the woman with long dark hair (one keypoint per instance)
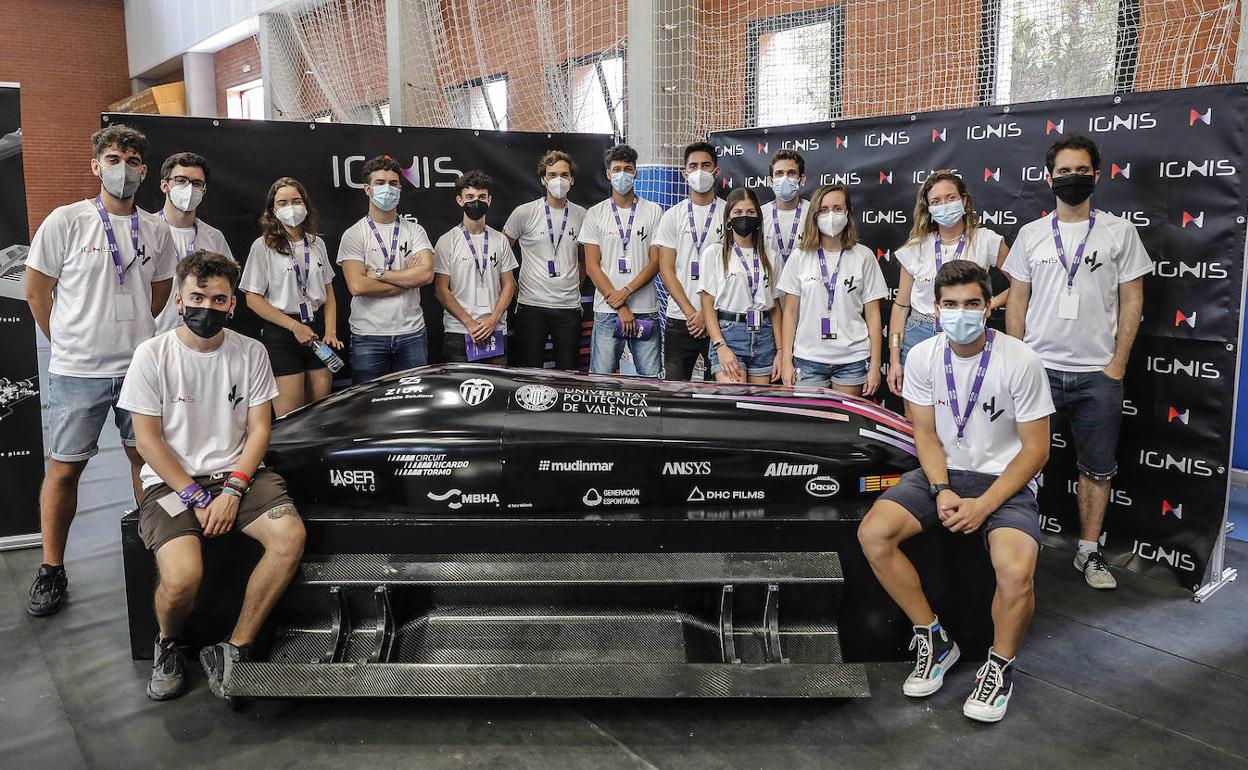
(288, 281)
(738, 297)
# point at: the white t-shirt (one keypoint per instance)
(527, 226)
(919, 259)
(201, 398)
(785, 219)
(272, 275)
(400, 314)
(88, 340)
(731, 289)
(475, 292)
(859, 282)
(601, 230)
(1015, 389)
(674, 233)
(1114, 255)
(187, 240)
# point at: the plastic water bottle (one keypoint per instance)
(327, 355)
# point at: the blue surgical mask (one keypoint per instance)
(386, 197)
(622, 181)
(947, 214)
(785, 188)
(962, 326)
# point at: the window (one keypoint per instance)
(383, 111)
(596, 91)
(246, 100)
(480, 104)
(1061, 49)
(795, 67)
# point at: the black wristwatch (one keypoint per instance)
(936, 489)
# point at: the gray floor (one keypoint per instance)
(1141, 677)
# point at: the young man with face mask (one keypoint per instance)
(980, 404)
(98, 273)
(184, 180)
(200, 396)
(783, 216)
(474, 279)
(552, 268)
(385, 259)
(621, 261)
(1076, 297)
(684, 231)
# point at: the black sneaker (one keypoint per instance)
(168, 671)
(993, 688)
(218, 660)
(48, 592)
(935, 655)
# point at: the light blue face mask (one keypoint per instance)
(622, 182)
(962, 326)
(784, 187)
(385, 197)
(947, 214)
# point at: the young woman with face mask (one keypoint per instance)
(288, 282)
(832, 288)
(946, 228)
(739, 295)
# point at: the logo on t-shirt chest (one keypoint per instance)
(233, 397)
(990, 409)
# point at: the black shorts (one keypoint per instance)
(286, 355)
(157, 527)
(913, 493)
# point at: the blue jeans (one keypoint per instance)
(77, 409)
(374, 356)
(1094, 404)
(817, 375)
(755, 351)
(606, 349)
(916, 331)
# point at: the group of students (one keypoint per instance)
(775, 292)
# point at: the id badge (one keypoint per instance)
(751, 320)
(828, 328)
(550, 268)
(695, 270)
(1068, 306)
(123, 307)
(623, 263)
(305, 312)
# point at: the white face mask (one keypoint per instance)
(784, 187)
(558, 187)
(832, 222)
(700, 181)
(186, 197)
(120, 180)
(385, 197)
(292, 216)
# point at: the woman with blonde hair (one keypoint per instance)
(946, 228)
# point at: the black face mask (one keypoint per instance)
(1073, 189)
(744, 226)
(476, 209)
(204, 321)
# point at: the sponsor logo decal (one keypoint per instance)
(574, 466)
(687, 468)
(878, 483)
(429, 464)
(697, 495)
(822, 486)
(607, 497)
(788, 469)
(536, 398)
(406, 388)
(610, 403)
(360, 481)
(455, 498)
(474, 392)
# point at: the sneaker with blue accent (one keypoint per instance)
(993, 688)
(935, 655)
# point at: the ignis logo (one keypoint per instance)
(993, 131)
(1135, 121)
(822, 486)
(1175, 414)
(354, 479)
(1201, 370)
(787, 469)
(1180, 318)
(997, 218)
(423, 173)
(873, 217)
(1176, 169)
(1128, 408)
(689, 468)
(1162, 555)
(1032, 173)
(886, 138)
(730, 149)
(1166, 507)
(1137, 218)
(992, 173)
(842, 141)
(1050, 127)
(1198, 220)
(920, 176)
(1167, 269)
(762, 148)
(1205, 117)
(883, 254)
(1057, 441)
(886, 177)
(1192, 466)
(808, 144)
(475, 391)
(847, 178)
(536, 398)
(1116, 171)
(1116, 496)
(1050, 524)
(939, 136)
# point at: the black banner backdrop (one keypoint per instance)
(21, 429)
(246, 156)
(1173, 163)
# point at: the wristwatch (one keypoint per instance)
(936, 489)
(379, 272)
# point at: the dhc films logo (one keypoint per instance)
(423, 173)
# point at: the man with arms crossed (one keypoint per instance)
(980, 405)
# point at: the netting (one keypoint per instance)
(662, 73)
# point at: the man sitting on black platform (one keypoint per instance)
(200, 398)
(982, 431)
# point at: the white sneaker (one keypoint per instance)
(1095, 570)
(993, 688)
(936, 655)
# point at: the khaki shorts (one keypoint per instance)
(157, 527)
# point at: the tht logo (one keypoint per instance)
(1181, 318)
(1204, 117)
(1051, 127)
(1116, 171)
(1198, 220)
(1166, 507)
(1175, 414)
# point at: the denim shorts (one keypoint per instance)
(817, 375)
(913, 493)
(1093, 402)
(755, 351)
(916, 331)
(77, 409)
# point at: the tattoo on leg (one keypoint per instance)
(285, 509)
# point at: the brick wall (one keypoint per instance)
(70, 58)
(228, 64)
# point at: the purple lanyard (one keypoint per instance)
(625, 235)
(394, 242)
(700, 240)
(550, 232)
(830, 285)
(194, 237)
(960, 420)
(785, 251)
(1071, 269)
(956, 255)
(134, 237)
(482, 262)
(301, 279)
(752, 277)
